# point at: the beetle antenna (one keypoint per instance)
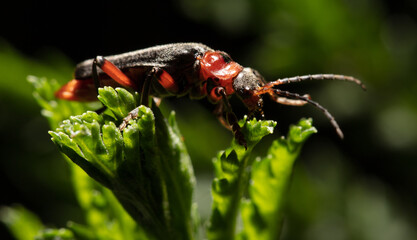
(317, 77)
(315, 104)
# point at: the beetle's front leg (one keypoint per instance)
(132, 115)
(236, 129)
(158, 74)
(144, 97)
(231, 121)
(219, 113)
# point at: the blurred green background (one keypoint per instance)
(363, 187)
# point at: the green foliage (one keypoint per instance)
(231, 179)
(52, 109)
(104, 215)
(146, 166)
(262, 213)
(330, 198)
(266, 182)
(22, 223)
(137, 183)
(53, 234)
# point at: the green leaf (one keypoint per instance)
(52, 109)
(262, 213)
(144, 178)
(81, 231)
(146, 166)
(118, 100)
(22, 223)
(232, 178)
(53, 234)
(105, 216)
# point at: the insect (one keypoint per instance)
(192, 69)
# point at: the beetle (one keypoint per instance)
(192, 69)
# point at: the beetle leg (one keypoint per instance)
(231, 118)
(132, 115)
(144, 99)
(146, 88)
(237, 131)
(157, 100)
(218, 112)
(97, 83)
(163, 78)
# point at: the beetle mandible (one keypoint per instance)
(191, 69)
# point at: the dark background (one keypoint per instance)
(363, 187)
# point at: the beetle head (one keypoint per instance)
(246, 84)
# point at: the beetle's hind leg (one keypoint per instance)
(117, 75)
(158, 74)
(144, 99)
(97, 84)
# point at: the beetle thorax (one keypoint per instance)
(218, 67)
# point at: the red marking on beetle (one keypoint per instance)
(78, 90)
(213, 65)
(168, 82)
(116, 74)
